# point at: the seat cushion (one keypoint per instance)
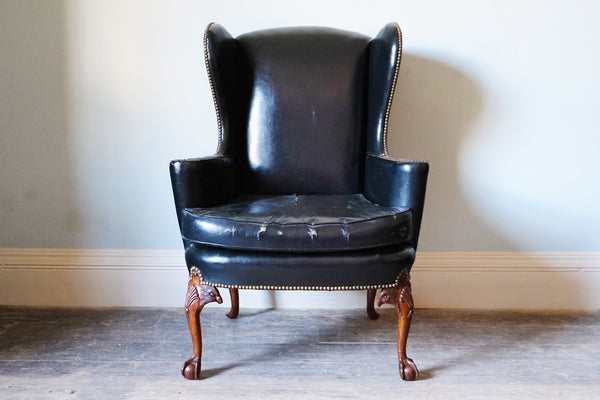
(351, 270)
(310, 223)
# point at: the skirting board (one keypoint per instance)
(158, 278)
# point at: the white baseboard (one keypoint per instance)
(158, 278)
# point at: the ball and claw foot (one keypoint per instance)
(408, 369)
(191, 369)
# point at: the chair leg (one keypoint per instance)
(235, 303)
(371, 293)
(197, 297)
(401, 298)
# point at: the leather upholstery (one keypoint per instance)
(384, 61)
(194, 182)
(398, 183)
(302, 117)
(321, 271)
(312, 111)
(313, 223)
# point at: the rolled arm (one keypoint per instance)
(202, 182)
(397, 183)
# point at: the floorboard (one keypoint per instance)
(296, 354)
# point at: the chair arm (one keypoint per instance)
(202, 182)
(397, 183)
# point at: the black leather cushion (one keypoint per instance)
(309, 223)
(358, 269)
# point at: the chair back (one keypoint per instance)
(301, 97)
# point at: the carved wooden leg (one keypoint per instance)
(371, 293)
(401, 298)
(235, 303)
(197, 297)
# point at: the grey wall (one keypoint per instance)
(97, 97)
(37, 203)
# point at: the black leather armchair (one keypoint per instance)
(301, 194)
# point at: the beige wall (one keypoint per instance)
(501, 98)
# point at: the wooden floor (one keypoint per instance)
(282, 354)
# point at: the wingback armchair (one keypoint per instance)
(301, 193)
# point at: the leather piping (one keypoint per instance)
(195, 271)
(212, 89)
(389, 105)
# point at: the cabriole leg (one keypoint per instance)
(197, 297)
(371, 293)
(235, 303)
(401, 298)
